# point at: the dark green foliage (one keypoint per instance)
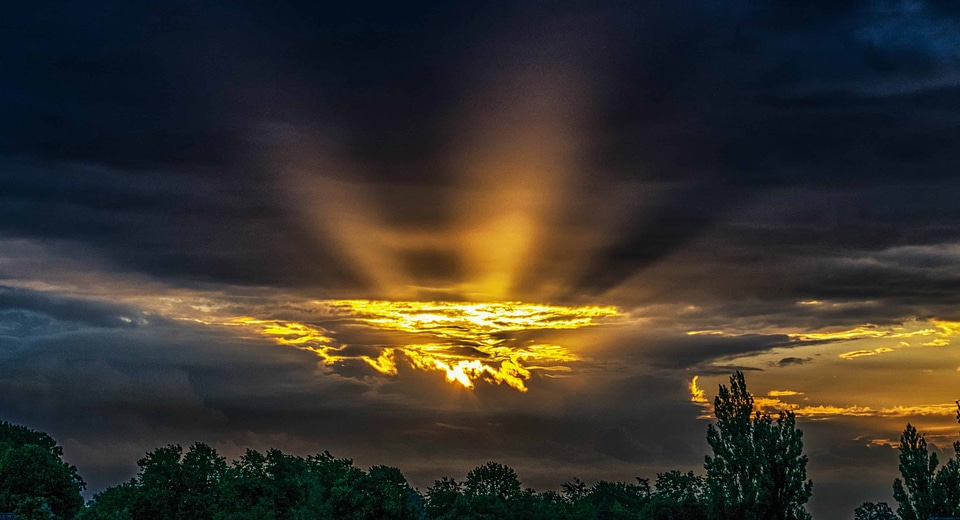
(490, 491)
(874, 511)
(492, 480)
(170, 485)
(34, 508)
(443, 497)
(915, 492)
(272, 486)
(678, 496)
(493, 491)
(34, 480)
(946, 485)
(619, 500)
(758, 470)
(947, 482)
(924, 490)
(114, 503)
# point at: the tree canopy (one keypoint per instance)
(874, 511)
(923, 490)
(35, 482)
(757, 471)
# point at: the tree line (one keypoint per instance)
(757, 471)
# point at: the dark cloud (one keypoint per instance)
(88, 313)
(169, 224)
(793, 361)
(165, 109)
(689, 351)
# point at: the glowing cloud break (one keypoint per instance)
(465, 341)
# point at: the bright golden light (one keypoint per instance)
(467, 342)
(861, 353)
(926, 333)
(771, 405)
(697, 395)
(480, 326)
(477, 320)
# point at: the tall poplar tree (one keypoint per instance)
(915, 494)
(947, 481)
(758, 470)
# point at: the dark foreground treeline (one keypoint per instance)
(200, 485)
(757, 472)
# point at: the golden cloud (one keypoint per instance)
(827, 411)
(935, 332)
(467, 341)
(862, 353)
(697, 395)
(782, 393)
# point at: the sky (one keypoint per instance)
(430, 235)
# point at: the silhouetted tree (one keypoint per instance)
(946, 485)
(493, 480)
(619, 500)
(34, 480)
(874, 511)
(249, 488)
(173, 485)
(758, 470)
(115, 503)
(548, 505)
(576, 494)
(272, 486)
(915, 492)
(678, 496)
(383, 494)
(491, 491)
(947, 482)
(443, 498)
(924, 490)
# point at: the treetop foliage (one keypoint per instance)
(925, 491)
(757, 471)
(34, 481)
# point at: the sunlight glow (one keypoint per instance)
(479, 320)
(697, 395)
(467, 342)
(482, 327)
